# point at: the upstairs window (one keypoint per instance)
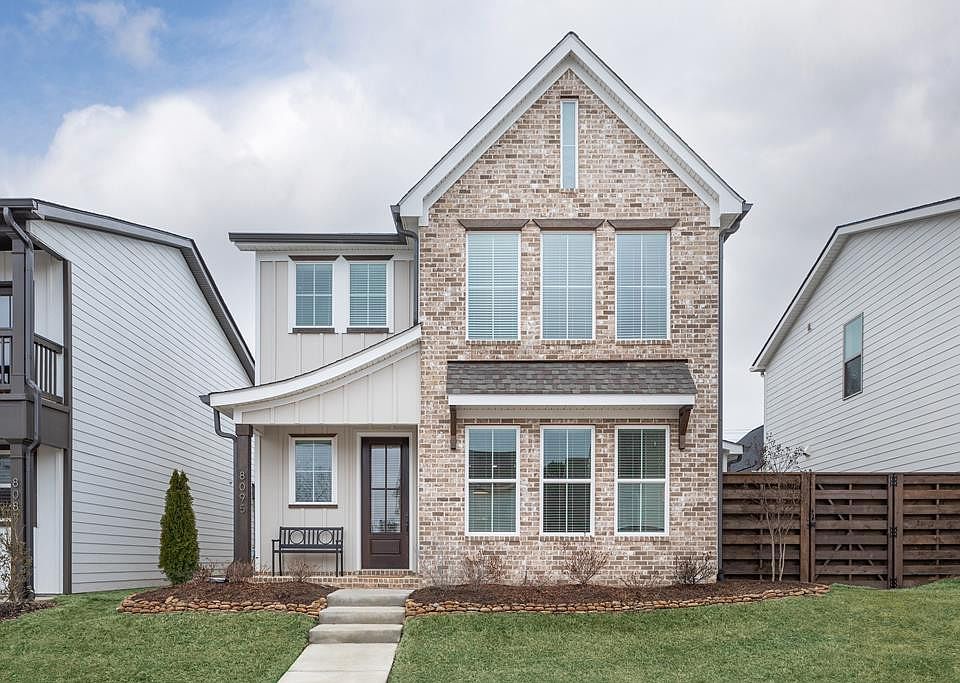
(642, 285)
(493, 285)
(641, 480)
(313, 471)
(568, 144)
(492, 480)
(567, 480)
(853, 357)
(314, 295)
(566, 307)
(368, 294)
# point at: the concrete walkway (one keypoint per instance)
(355, 640)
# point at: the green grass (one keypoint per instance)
(84, 639)
(851, 634)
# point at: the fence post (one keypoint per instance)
(895, 530)
(804, 522)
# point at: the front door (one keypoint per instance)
(385, 503)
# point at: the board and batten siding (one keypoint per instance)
(905, 280)
(282, 354)
(145, 346)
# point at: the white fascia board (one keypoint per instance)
(571, 399)
(268, 392)
(732, 447)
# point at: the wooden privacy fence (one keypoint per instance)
(883, 530)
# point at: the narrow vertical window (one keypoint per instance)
(641, 481)
(491, 480)
(493, 285)
(4, 478)
(643, 275)
(314, 295)
(567, 480)
(853, 357)
(313, 471)
(568, 144)
(368, 294)
(566, 284)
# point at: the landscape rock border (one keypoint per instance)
(174, 605)
(417, 609)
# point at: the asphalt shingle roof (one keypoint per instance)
(569, 377)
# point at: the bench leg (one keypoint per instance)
(273, 563)
(281, 563)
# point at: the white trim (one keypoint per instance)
(616, 289)
(466, 286)
(467, 481)
(292, 469)
(593, 288)
(571, 399)
(387, 292)
(665, 481)
(593, 478)
(576, 143)
(292, 293)
(257, 497)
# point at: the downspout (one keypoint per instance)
(724, 235)
(403, 232)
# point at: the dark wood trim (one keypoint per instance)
(368, 330)
(403, 558)
(493, 223)
(242, 520)
(314, 258)
(684, 421)
(642, 223)
(453, 428)
(313, 330)
(368, 257)
(568, 223)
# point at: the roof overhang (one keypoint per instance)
(612, 400)
(725, 205)
(267, 241)
(828, 256)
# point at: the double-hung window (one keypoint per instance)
(853, 357)
(568, 144)
(566, 306)
(314, 471)
(567, 495)
(493, 285)
(641, 480)
(491, 480)
(368, 294)
(314, 294)
(642, 285)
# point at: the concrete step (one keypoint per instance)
(362, 615)
(356, 633)
(367, 597)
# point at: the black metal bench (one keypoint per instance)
(308, 539)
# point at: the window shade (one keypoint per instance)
(567, 285)
(368, 294)
(493, 283)
(567, 480)
(641, 480)
(492, 485)
(314, 295)
(313, 471)
(642, 285)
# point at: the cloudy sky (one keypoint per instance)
(286, 116)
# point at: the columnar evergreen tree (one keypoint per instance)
(179, 549)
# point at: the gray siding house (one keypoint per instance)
(862, 370)
(111, 330)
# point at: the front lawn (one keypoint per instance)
(848, 635)
(84, 639)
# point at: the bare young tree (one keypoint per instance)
(15, 561)
(778, 498)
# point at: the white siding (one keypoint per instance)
(906, 282)
(146, 345)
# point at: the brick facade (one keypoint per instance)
(619, 177)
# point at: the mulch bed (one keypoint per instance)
(287, 596)
(8, 610)
(597, 598)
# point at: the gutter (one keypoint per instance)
(403, 232)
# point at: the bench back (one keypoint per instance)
(309, 537)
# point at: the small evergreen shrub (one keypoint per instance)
(179, 549)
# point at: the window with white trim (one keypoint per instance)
(314, 294)
(491, 480)
(568, 144)
(642, 285)
(566, 285)
(368, 294)
(314, 471)
(853, 357)
(493, 285)
(641, 480)
(4, 477)
(567, 485)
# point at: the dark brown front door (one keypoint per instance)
(385, 503)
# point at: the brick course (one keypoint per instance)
(619, 177)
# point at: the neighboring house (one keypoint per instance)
(862, 370)
(529, 364)
(744, 455)
(119, 327)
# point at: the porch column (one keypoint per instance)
(241, 492)
(22, 494)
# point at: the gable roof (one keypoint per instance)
(726, 206)
(838, 238)
(41, 210)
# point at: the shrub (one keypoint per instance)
(692, 569)
(204, 573)
(482, 567)
(581, 565)
(179, 550)
(239, 571)
(15, 561)
(635, 581)
(300, 570)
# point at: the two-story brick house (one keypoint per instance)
(530, 363)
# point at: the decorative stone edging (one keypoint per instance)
(172, 605)
(416, 609)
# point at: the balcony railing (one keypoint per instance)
(47, 364)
